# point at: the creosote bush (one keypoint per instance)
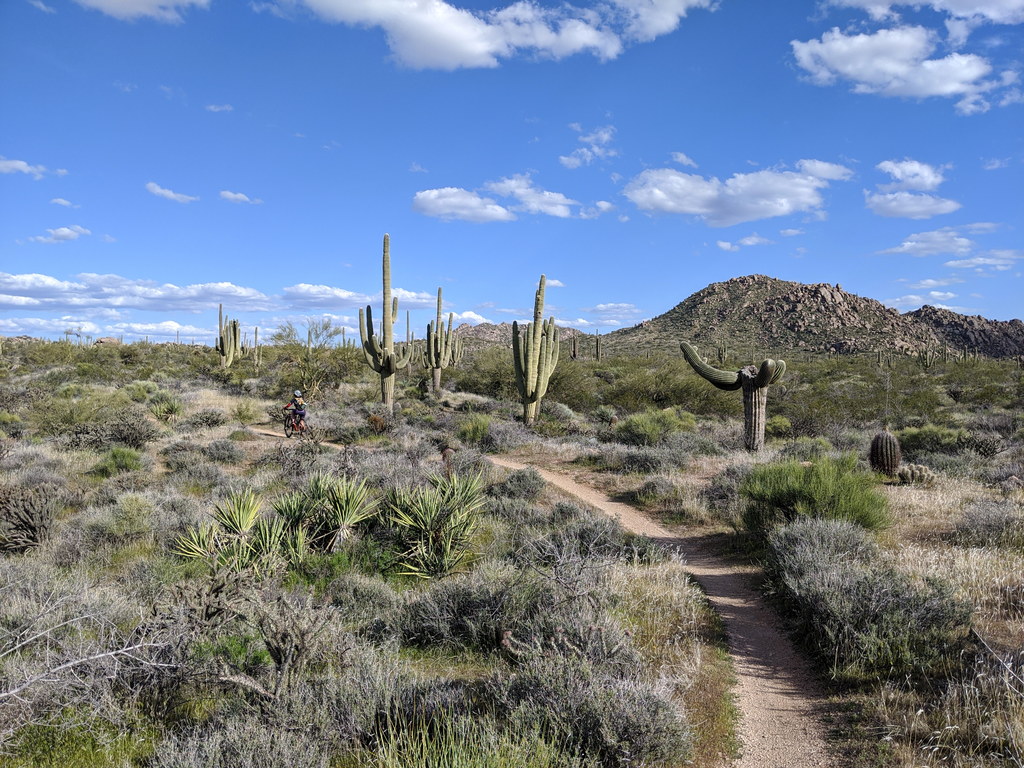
(834, 489)
(653, 427)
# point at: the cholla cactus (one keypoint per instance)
(885, 454)
(379, 349)
(534, 356)
(753, 380)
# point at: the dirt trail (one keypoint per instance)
(775, 691)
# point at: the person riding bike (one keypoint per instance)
(298, 408)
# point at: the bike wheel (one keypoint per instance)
(289, 426)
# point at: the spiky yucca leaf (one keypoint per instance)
(346, 504)
(294, 508)
(238, 513)
(197, 543)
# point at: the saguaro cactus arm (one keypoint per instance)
(727, 380)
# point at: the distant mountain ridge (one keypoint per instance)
(770, 314)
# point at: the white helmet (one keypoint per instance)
(298, 393)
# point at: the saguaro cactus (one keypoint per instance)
(753, 380)
(534, 356)
(229, 339)
(379, 348)
(443, 347)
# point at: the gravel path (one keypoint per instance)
(775, 691)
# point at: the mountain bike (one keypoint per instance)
(291, 424)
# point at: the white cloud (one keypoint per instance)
(458, 203)
(411, 299)
(683, 159)
(754, 239)
(92, 291)
(39, 326)
(579, 322)
(61, 234)
(895, 62)
(930, 283)
(909, 205)
(995, 11)
(162, 10)
(600, 207)
(911, 174)
(20, 166)
(471, 317)
(177, 197)
(555, 283)
(42, 6)
(417, 168)
(436, 34)
(596, 147)
(219, 108)
(614, 313)
(532, 199)
(167, 329)
(725, 245)
(238, 197)
(62, 201)
(743, 197)
(996, 163)
(790, 232)
(997, 263)
(822, 170)
(306, 295)
(941, 295)
(937, 242)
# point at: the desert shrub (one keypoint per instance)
(722, 493)
(243, 436)
(653, 427)
(164, 406)
(242, 743)
(612, 721)
(520, 484)
(205, 418)
(11, 424)
(605, 414)
(223, 452)
(117, 460)
(504, 436)
(643, 461)
(778, 426)
(139, 391)
(132, 515)
(363, 599)
(834, 489)
(588, 536)
(929, 438)
(991, 523)
(181, 455)
(985, 444)
(865, 618)
(655, 491)
(805, 449)
(26, 516)
(246, 412)
(517, 512)
(474, 428)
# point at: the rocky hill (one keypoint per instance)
(760, 315)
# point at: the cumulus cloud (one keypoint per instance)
(238, 197)
(614, 313)
(599, 208)
(61, 234)
(596, 145)
(995, 262)
(162, 10)
(911, 174)
(153, 188)
(683, 159)
(89, 291)
(166, 329)
(822, 170)
(915, 301)
(532, 199)
(435, 34)
(896, 62)
(219, 108)
(945, 241)
(909, 205)
(20, 166)
(743, 197)
(307, 295)
(995, 11)
(931, 283)
(747, 241)
(41, 326)
(470, 317)
(725, 245)
(458, 203)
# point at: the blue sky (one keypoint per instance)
(158, 157)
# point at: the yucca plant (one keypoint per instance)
(238, 513)
(346, 504)
(439, 521)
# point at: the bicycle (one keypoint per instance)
(291, 424)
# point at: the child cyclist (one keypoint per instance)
(298, 407)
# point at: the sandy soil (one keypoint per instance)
(775, 691)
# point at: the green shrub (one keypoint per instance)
(139, 391)
(929, 438)
(653, 427)
(778, 426)
(834, 489)
(223, 452)
(865, 618)
(520, 484)
(245, 412)
(206, 418)
(474, 428)
(117, 460)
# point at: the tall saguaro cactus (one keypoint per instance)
(229, 339)
(534, 356)
(379, 348)
(753, 380)
(442, 349)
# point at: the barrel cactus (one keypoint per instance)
(885, 454)
(753, 380)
